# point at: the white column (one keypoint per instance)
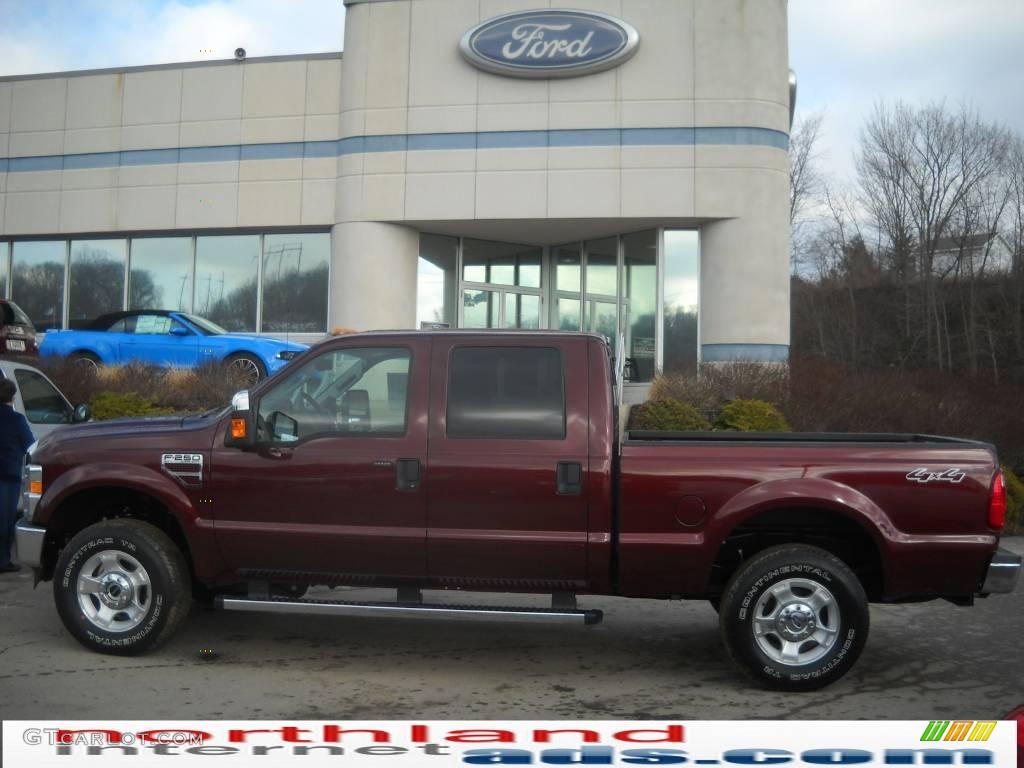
(373, 276)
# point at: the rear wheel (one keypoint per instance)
(794, 617)
(122, 587)
(247, 369)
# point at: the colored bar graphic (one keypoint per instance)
(958, 730)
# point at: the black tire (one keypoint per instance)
(162, 605)
(796, 571)
(247, 367)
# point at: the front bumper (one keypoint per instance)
(1003, 572)
(29, 540)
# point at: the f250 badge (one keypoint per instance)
(186, 468)
(923, 475)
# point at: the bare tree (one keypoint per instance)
(917, 168)
(805, 177)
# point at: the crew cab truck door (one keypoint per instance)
(508, 462)
(335, 484)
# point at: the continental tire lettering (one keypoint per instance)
(82, 550)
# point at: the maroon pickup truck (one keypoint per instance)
(492, 461)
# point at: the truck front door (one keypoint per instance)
(508, 462)
(335, 484)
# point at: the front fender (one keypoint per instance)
(144, 480)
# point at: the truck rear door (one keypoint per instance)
(507, 503)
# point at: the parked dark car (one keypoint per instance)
(491, 461)
(17, 333)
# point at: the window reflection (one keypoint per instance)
(226, 274)
(4, 252)
(640, 262)
(437, 280)
(480, 309)
(37, 281)
(682, 300)
(161, 273)
(602, 266)
(295, 269)
(97, 279)
(501, 263)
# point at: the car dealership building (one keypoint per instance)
(612, 165)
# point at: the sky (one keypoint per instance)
(848, 54)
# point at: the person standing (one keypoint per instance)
(15, 438)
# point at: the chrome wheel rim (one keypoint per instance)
(246, 370)
(796, 622)
(114, 591)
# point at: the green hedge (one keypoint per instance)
(668, 415)
(117, 405)
(751, 416)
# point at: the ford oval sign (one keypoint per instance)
(550, 43)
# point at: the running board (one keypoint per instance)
(466, 612)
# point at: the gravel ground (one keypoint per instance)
(648, 659)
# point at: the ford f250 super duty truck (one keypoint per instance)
(491, 461)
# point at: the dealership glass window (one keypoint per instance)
(484, 261)
(37, 281)
(480, 308)
(437, 281)
(227, 270)
(513, 393)
(640, 302)
(567, 261)
(5, 260)
(601, 310)
(160, 274)
(682, 301)
(295, 270)
(96, 284)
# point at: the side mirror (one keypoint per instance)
(241, 431)
(282, 427)
(81, 414)
(179, 330)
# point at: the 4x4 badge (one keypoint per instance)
(923, 475)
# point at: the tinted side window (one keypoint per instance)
(360, 392)
(512, 393)
(43, 404)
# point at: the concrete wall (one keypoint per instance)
(222, 145)
(691, 131)
(405, 136)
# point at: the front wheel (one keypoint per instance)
(246, 369)
(122, 587)
(794, 617)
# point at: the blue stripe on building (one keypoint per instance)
(596, 137)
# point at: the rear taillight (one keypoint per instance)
(997, 503)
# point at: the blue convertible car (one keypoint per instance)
(168, 338)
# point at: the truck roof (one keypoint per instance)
(478, 332)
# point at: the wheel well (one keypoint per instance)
(823, 528)
(95, 504)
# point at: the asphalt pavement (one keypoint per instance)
(649, 659)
